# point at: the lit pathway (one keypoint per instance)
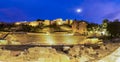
(114, 57)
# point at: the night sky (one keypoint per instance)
(30, 10)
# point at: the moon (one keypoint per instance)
(78, 10)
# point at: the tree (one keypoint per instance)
(114, 28)
(26, 28)
(39, 20)
(104, 23)
(92, 26)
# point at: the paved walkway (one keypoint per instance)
(114, 57)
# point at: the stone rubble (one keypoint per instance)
(84, 53)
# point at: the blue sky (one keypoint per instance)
(28, 10)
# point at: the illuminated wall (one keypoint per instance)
(80, 27)
(47, 22)
(59, 21)
(34, 23)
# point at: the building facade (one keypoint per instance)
(80, 27)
